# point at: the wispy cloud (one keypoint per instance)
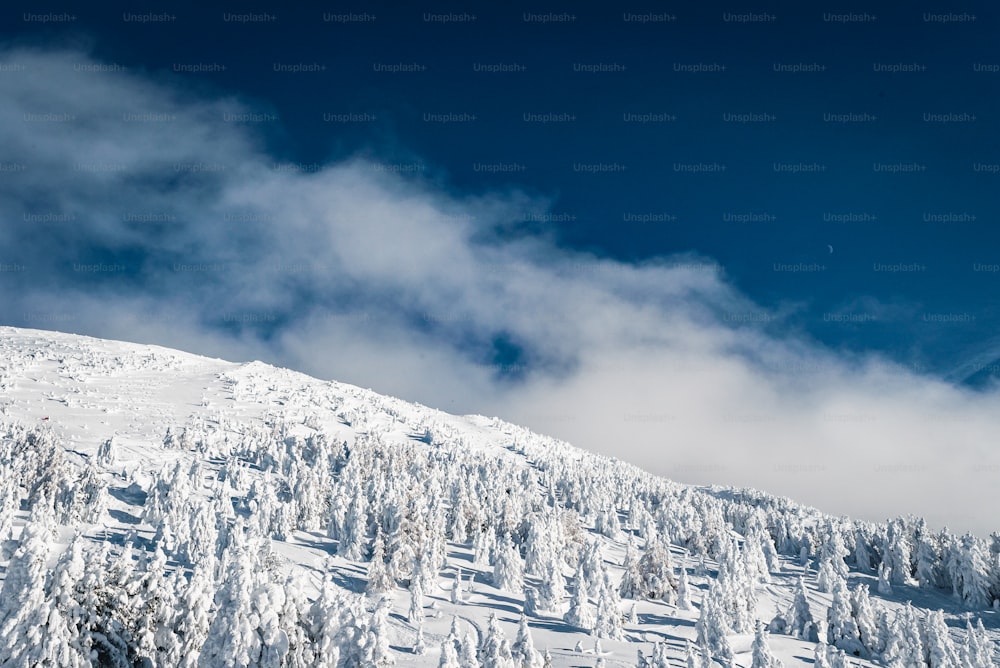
(137, 209)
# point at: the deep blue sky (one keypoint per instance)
(688, 211)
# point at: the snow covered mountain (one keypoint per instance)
(164, 509)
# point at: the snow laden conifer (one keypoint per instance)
(380, 580)
(416, 610)
(469, 649)
(580, 613)
(233, 638)
(712, 628)
(374, 645)
(977, 650)
(761, 651)
(508, 569)
(940, 650)
(652, 576)
(842, 631)
(523, 650)
(865, 617)
(495, 652)
(23, 608)
(449, 657)
(968, 572)
(683, 590)
(608, 620)
(800, 619)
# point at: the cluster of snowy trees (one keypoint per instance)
(124, 608)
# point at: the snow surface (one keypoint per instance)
(88, 390)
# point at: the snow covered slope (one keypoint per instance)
(159, 508)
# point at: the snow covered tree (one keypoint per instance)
(193, 618)
(761, 651)
(652, 577)
(353, 534)
(508, 570)
(495, 652)
(449, 657)
(977, 651)
(456, 588)
(419, 645)
(928, 558)
(842, 631)
(897, 550)
(374, 646)
(24, 611)
(865, 617)
(106, 453)
(683, 590)
(712, 629)
(233, 639)
(416, 610)
(469, 655)
(939, 648)
(523, 649)
(968, 572)
(580, 613)
(819, 656)
(884, 579)
(379, 579)
(608, 621)
(552, 587)
(903, 642)
(800, 619)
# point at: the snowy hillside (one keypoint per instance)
(163, 509)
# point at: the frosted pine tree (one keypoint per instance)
(928, 557)
(683, 591)
(608, 621)
(469, 652)
(580, 613)
(419, 645)
(354, 532)
(800, 619)
(897, 550)
(552, 587)
(449, 658)
(379, 579)
(884, 577)
(939, 648)
(977, 650)
(456, 588)
(819, 656)
(416, 610)
(232, 637)
(865, 617)
(495, 652)
(23, 608)
(761, 651)
(692, 658)
(968, 572)
(842, 631)
(193, 617)
(376, 650)
(508, 570)
(712, 629)
(523, 649)
(652, 576)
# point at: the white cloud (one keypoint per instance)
(355, 274)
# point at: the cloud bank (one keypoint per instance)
(136, 208)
